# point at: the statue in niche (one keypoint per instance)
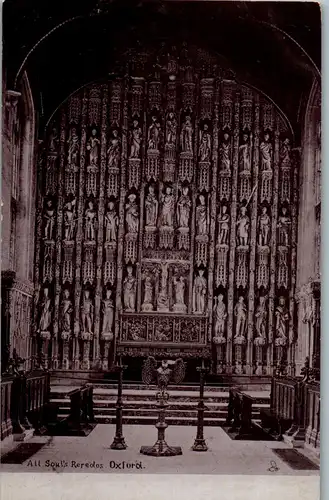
(285, 153)
(205, 144)
(261, 318)
(148, 294)
(129, 290)
(132, 217)
(199, 293)
(53, 140)
(179, 284)
(243, 224)
(266, 150)
(264, 227)
(151, 208)
(240, 312)
(87, 313)
(220, 315)
(225, 153)
(282, 319)
(163, 301)
(69, 221)
(186, 136)
(73, 148)
(93, 147)
(45, 318)
(108, 312)
(184, 208)
(245, 153)
(111, 223)
(223, 226)
(201, 216)
(49, 217)
(153, 135)
(66, 311)
(284, 224)
(136, 139)
(171, 128)
(113, 152)
(90, 222)
(167, 208)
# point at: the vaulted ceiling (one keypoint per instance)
(274, 46)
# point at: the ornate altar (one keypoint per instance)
(167, 219)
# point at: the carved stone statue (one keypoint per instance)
(151, 208)
(153, 135)
(132, 216)
(179, 284)
(223, 226)
(93, 147)
(49, 217)
(264, 228)
(266, 150)
(69, 220)
(186, 136)
(243, 224)
(205, 144)
(66, 311)
(285, 153)
(184, 208)
(171, 129)
(90, 222)
(282, 319)
(245, 153)
(261, 318)
(163, 300)
(129, 290)
(113, 152)
(73, 147)
(87, 313)
(201, 216)
(53, 140)
(167, 208)
(220, 316)
(284, 223)
(225, 153)
(108, 313)
(240, 312)
(45, 318)
(199, 293)
(111, 223)
(136, 139)
(148, 294)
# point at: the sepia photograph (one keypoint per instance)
(160, 237)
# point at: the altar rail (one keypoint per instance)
(23, 402)
(240, 412)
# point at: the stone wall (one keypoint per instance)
(18, 219)
(308, 249)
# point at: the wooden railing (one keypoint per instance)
(6, 424)
(286, 416)
(81, 408)
(23, 402)
(312, 415)
(240, 412)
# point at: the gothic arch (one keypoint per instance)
(134, 245)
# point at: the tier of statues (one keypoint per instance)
(166, 212)
(155, 137)
(152, 291)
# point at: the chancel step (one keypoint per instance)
(140, 407)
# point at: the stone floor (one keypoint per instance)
(93, 454)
